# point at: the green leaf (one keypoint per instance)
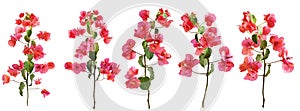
(23, 74)
(207, 53)
(92, 55)
(258, 57)
(96, 47)
(26, 38)
(212, 68)
(29, 65)
(29, 57)
(152, 24)
(193, 19)
(21, 87)
(196, 38)
(140, 61)
(253, 18)
(145, 44)
(150, 69)
(156, 31)
(201, 29)
(88, 27)
(263, 44)
(29, 32)
(149, 54)
(266, 54)
(145, 83)
(203, 60)
(269, 70)
(33, 42)
(89, 66)
(31, 78)
(254, 38)
(95, 35)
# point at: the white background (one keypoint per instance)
(57, 17)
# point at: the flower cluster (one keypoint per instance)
(95, 30)
(148, 31)
(257, 48)
(258, 43)
(203, 45)
(29, 68)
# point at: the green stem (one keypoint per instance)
(207, 72)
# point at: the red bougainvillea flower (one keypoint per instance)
(76, 32)
(128, 52)
(131, 72)
(37, 81)
(266, 30)
(248, 46)
(144, 14)
(104, 34)
(225, 64)
(251, 66)
(111, 69)
(12, 42)
(247, 24)
(187, 65)
(37, 52)
(287, 66)
(114, 70)
(43, 35)
(210, 19)
(45, 93)
(42, 68)
(78, 67)
(270, 19)
(278, 43)
(50, 65)
(13, 72)
(187, 24)
(68, 65)
(162, 18)
(143, 30)
(18, 67)
(5, 79)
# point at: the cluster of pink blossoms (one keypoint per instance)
(259, 41)
(209, 38)
(28, 69)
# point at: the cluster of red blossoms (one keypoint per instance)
(28, 69)
(151, 42)
(261, 35)
(209, 38)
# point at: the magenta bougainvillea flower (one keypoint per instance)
(203, 46)
(148, 31)
(29, 68)
(256, 48)
(94, 30)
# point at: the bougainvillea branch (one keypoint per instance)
(33, 52)
(209, 39)
(258, 43)
(94, 26)
(151, 45)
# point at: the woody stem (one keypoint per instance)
(206, 86)
(264, 77)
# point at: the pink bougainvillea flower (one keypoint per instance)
(248, 46)
(18, 67)
(278, 43)
(19, 30)
(133, 83)
(270, 19)
(37, 52)
(78, 67)
(210, 19)
(210, 37)
(251, 66)
(225, 64)
(187, 24)
(157, 39)
(266, 30)
(187, 65)
(128, 52)
(162, 56)
(42, 68)
(43, 35)
(45, 93)
(143, 30)
(5, 79)
(37, 81)
(198, 46)
(82, 50)
(131, 72)
(68, 65)
(105, 66)
(251, 76)
(144, 14)
(114, 70)
(287, 66)
(12, 42)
